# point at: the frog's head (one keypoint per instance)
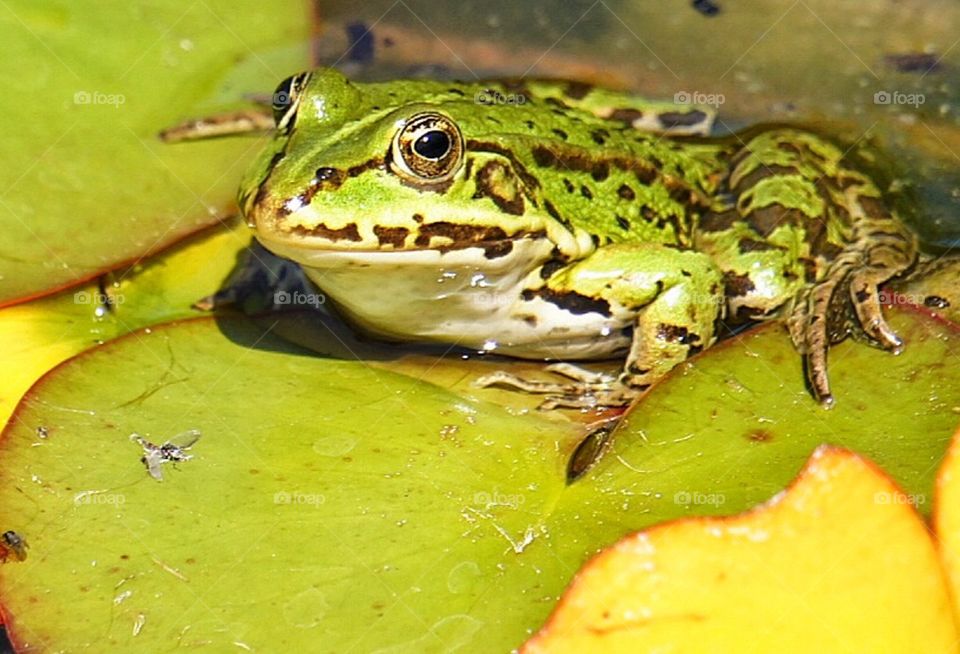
(370, 173)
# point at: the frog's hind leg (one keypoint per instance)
(800, 230)
(881, 249)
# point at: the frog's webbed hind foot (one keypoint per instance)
(582, 389)
(847, 300)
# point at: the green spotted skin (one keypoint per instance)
(559, 221)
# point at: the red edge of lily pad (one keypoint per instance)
(7, 619)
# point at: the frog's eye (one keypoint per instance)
(427, 149)
(286, 99)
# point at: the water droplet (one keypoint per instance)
(334, 445)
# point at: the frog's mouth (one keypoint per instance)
(359, 241)
(530, 247)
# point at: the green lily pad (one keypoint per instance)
(333, 505)
(87, 183)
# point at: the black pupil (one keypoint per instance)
(432, 145)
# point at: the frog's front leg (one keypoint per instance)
(673, 299)
(251, 121)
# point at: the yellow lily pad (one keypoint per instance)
(839, 562)
(947, 518)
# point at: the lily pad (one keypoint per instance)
(840, 562)
(87, 184)
(42, 333)
(331, 504)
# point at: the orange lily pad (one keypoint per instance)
(840, 561)
(946, 517)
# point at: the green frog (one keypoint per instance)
(559, 221)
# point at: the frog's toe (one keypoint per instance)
(586, 390)
(866, 303)
(582, 375)
(614, 396)
(515, 382)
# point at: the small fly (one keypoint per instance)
(171, 451)
(14, 543)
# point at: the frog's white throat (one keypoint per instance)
(457, 296)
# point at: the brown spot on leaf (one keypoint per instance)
(759, 436)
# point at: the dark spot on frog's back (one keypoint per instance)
(745, 245)
(765, 220)
(461, 235)
(681, 119)
(550, 267)
(626, 115)
(497, 249)
(750, 180)
(626, 192)
(497, 182)
(737, 285)
(394, 236)
(345, 233)
(376, 162)
(529, 181)
(874, 207)
(677, 334)
(569, 301)
(552, 210)
(600, 171)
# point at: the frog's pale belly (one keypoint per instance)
(463, 298)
